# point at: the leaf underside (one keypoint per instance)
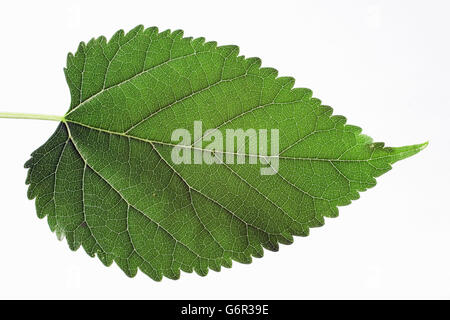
(105, 179)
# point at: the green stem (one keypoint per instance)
(11, 115)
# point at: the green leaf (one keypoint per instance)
(106, 179)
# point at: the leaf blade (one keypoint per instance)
(112, 187)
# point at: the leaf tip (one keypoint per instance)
(401, 153)
(423, 145)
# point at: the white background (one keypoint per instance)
(382, 64)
